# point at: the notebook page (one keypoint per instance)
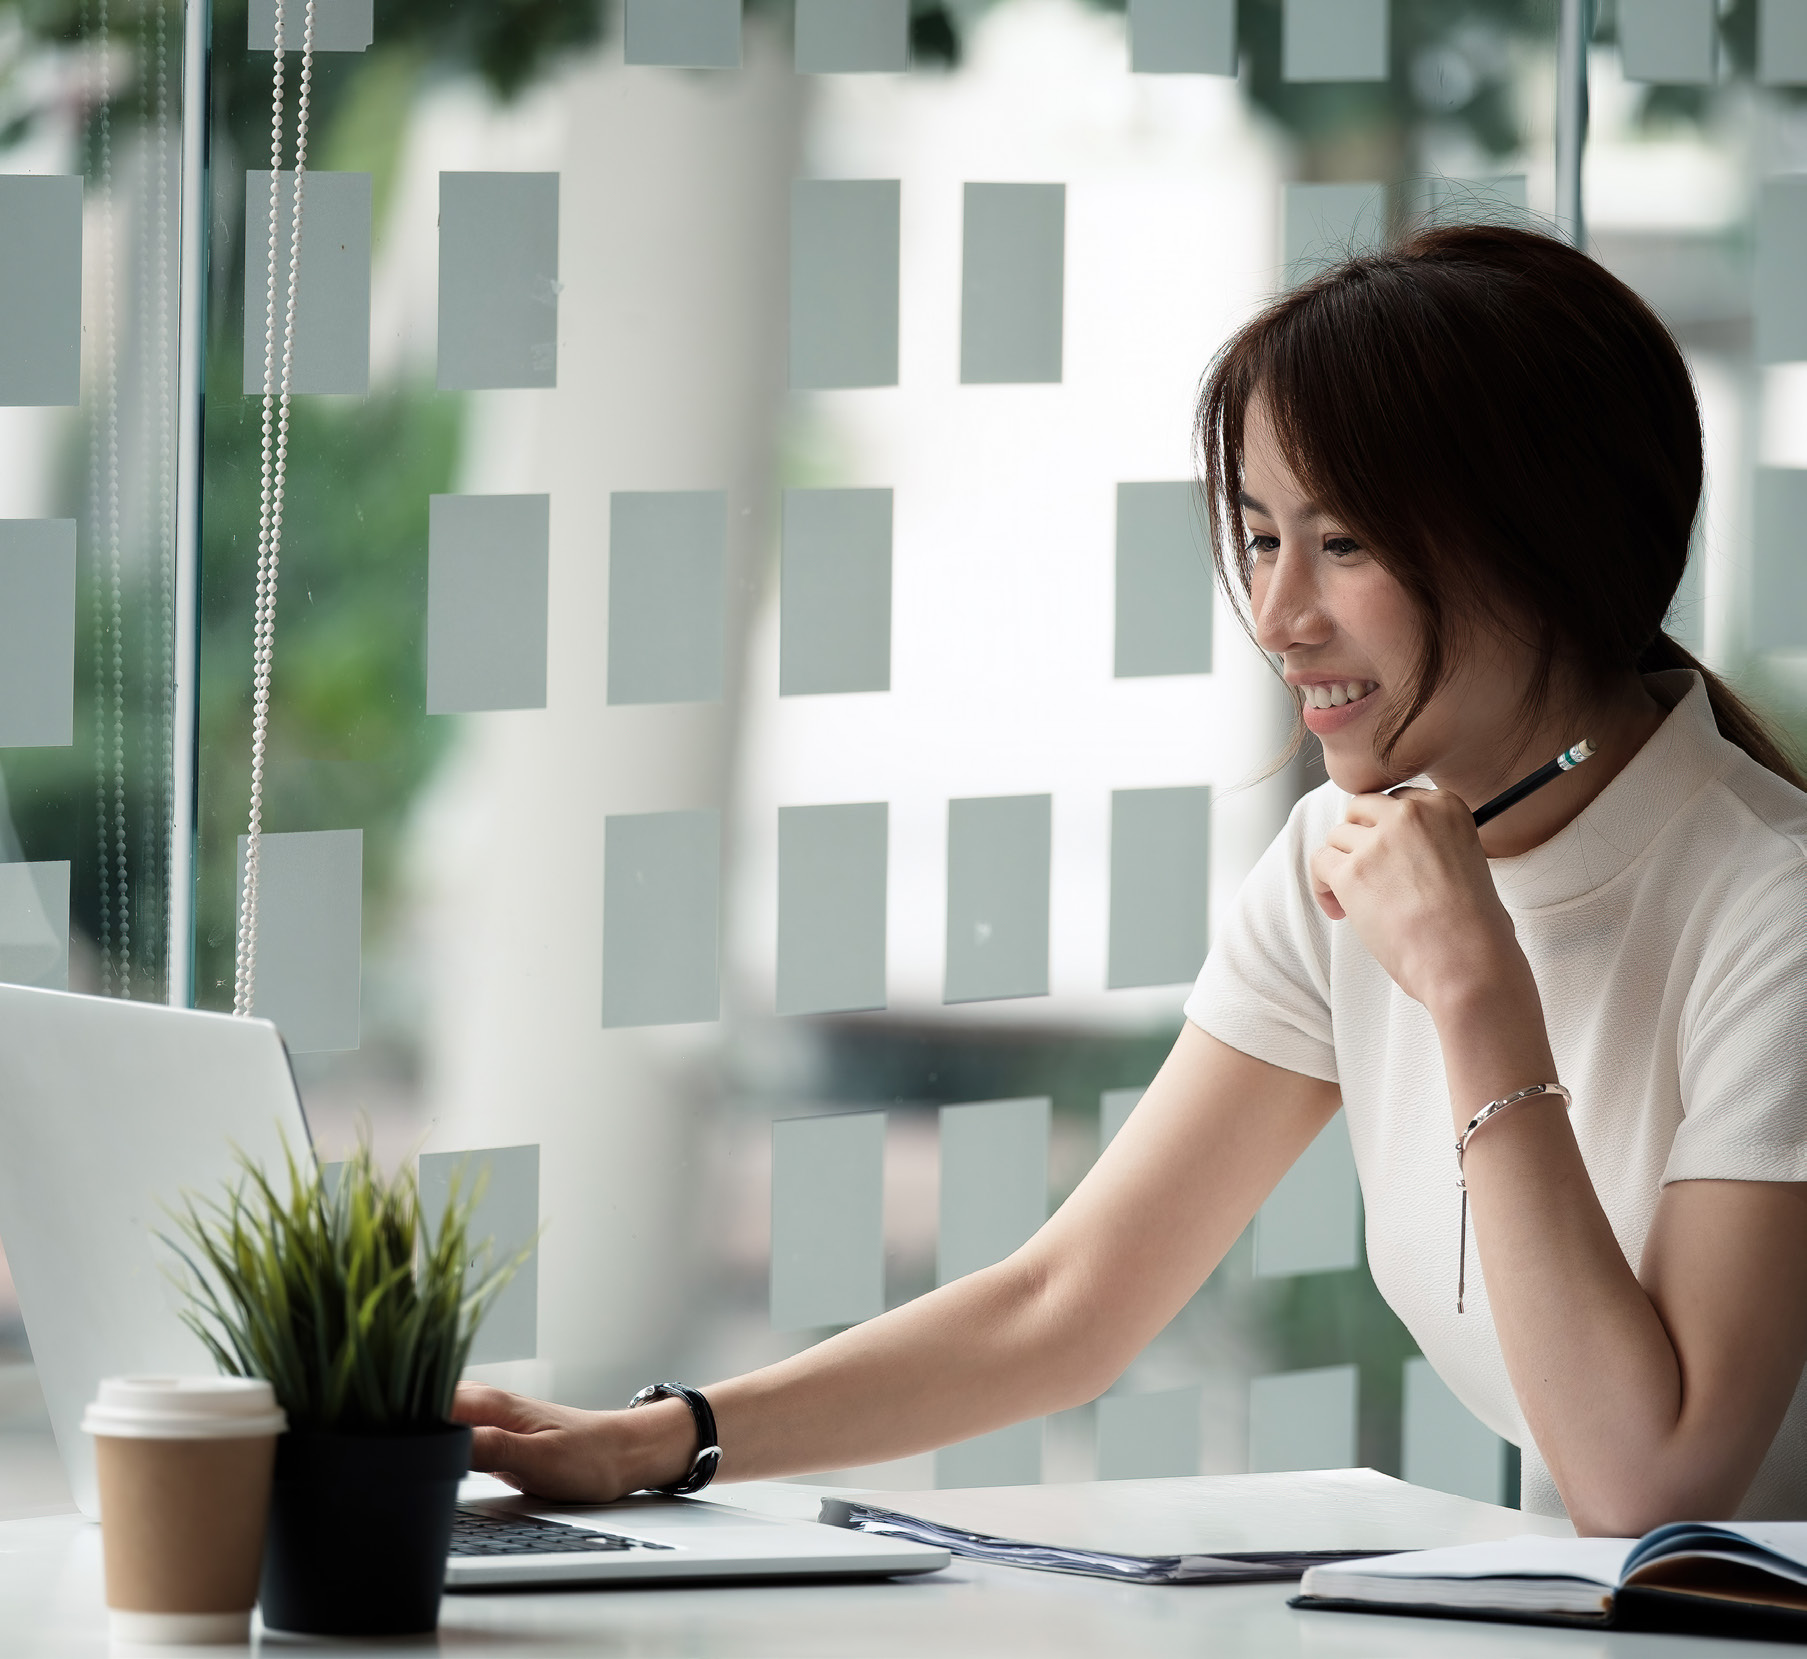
(1780, 1545)
(1592, 1560)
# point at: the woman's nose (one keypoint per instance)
(1287, 606)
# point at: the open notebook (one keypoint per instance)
(1756, 1568)
(1222, 1529)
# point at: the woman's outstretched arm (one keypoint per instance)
(1047, 1328)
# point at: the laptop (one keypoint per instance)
(110, 1111)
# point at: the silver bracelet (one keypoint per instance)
(1491, 1110)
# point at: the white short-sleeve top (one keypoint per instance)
(1667, 929)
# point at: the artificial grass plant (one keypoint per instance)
(356, 1314)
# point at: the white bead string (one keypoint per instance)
(103, 514)
(165, 461)
(275, 475)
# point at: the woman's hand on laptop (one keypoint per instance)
(574, 1456)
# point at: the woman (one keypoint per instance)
(1463, 476)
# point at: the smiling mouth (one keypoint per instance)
(1335, 696)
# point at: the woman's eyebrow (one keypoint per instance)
(1310, 510)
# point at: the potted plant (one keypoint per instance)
(361, 1319)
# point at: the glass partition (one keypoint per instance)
(1697, 196)
(90, 209)
(754, 747)
(755, 754)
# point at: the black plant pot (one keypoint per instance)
(359, 1528)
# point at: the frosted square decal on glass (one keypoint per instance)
(498, 280)
(310, 902)
(828, 1220)
(1333, 40)
(1781, 297)
(339, 26)
(1006, 1457)
(1669, 42)
(37, 632)
(844, 262)
(486, 602)
(831, 907)
(40, 289)
(1782, 42)
(1182, 37)
(1160, 886)
(332, 310)
(683, 34)
(1779, 583)
(1114, 1107)
(661, 902)
(34, 925)
(1013, 276)
(1164, 581)
(1303, 1420)
(999, 856)
(1444, 1445)
(507, 1215)
(1149, 1436)
(835, 592)
(994, 1182)
(667, 557)
(1325, 223)
(1495, 201)
(1311, 1222)
(852, 37)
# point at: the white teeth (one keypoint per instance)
(1335, 696)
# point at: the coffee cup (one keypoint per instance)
(185, 1466)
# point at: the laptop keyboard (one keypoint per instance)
(475, 1532)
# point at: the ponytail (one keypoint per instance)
(1737, 721)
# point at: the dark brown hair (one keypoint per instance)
(1508, 429)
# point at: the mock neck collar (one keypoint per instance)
(1681, 756)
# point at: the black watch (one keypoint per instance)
(709, 1455)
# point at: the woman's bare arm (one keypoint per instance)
(1049, 1327)
(1653, 1394)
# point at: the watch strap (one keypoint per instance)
(709, 1453)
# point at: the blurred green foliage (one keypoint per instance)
(350, 741)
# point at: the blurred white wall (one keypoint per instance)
(1005, 500)
(673, 213)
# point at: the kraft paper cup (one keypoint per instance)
(184, 1466)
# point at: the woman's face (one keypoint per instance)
(1349, 640)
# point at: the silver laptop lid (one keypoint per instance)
(109, 1112)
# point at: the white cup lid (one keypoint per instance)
(185, 1408)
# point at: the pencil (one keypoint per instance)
(1567, 761)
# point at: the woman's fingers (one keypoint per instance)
(549, 1463)
(550, 1450)
(476, 1403)
(493, 1449)
(1325, 864)
(1365, 810)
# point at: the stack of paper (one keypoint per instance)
(1224, 1529)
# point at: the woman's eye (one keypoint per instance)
(1341, 546)
(1259, 544)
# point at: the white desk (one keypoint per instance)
(51, 1608)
